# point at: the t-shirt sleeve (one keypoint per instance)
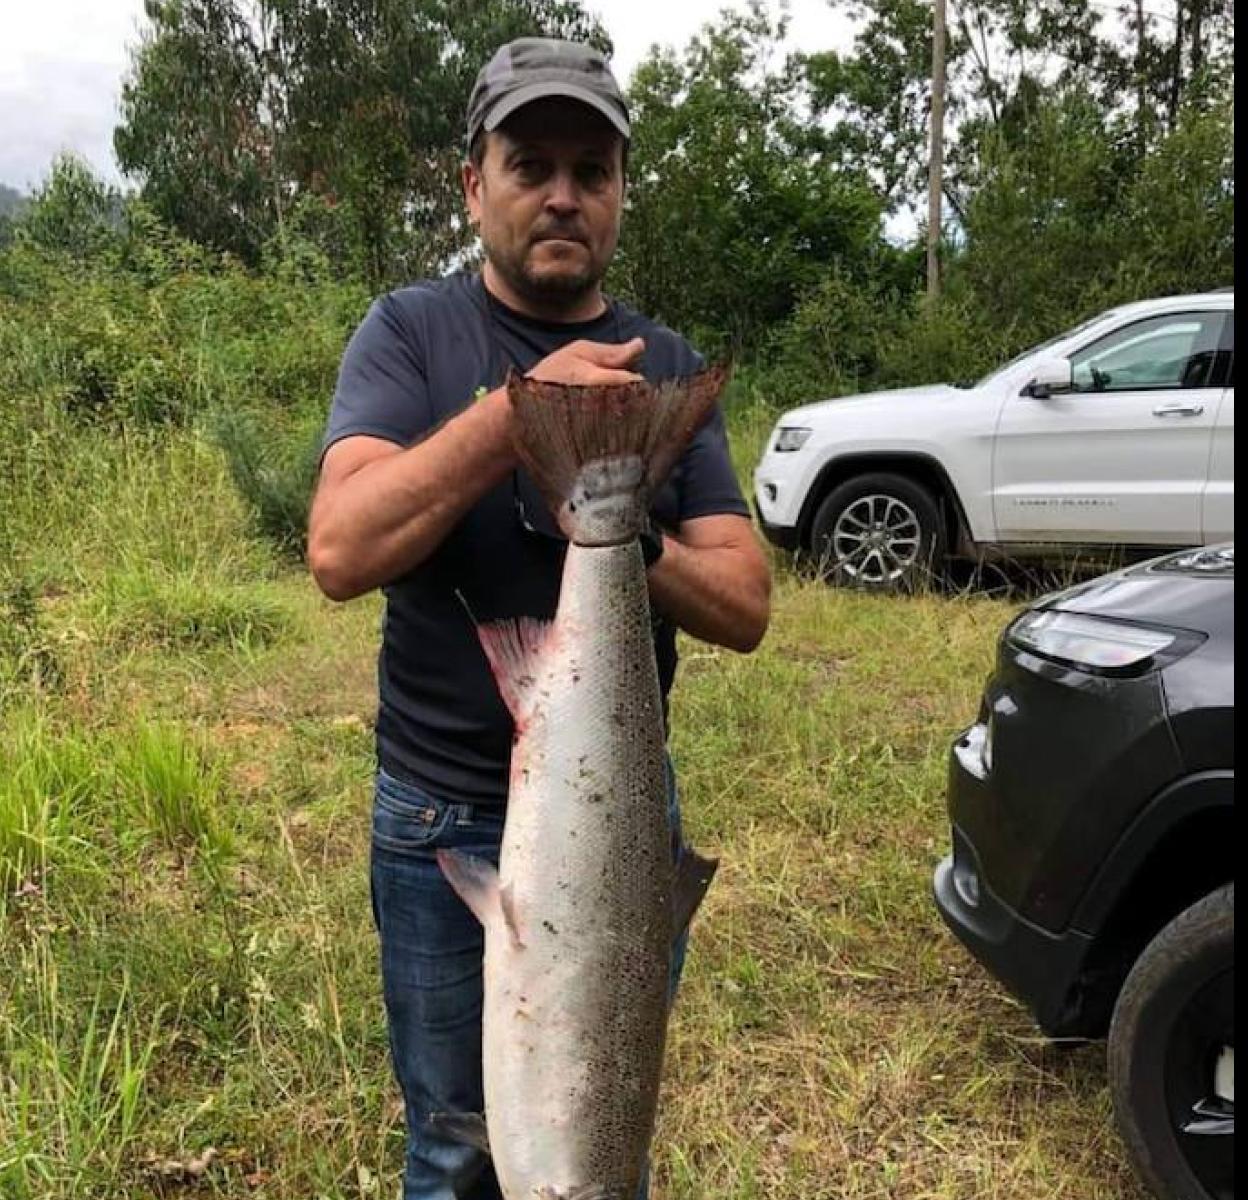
(382, 388)
(708, 482)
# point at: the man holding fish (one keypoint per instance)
(501, 452)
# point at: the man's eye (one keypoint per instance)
(593, 174)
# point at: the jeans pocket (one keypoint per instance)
(406, 820)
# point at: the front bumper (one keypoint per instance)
(783, 536)
(1042, 969)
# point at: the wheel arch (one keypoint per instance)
(1180, 849)
(922, 469)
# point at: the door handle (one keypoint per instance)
(1178, 410)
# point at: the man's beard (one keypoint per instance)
(558, 288)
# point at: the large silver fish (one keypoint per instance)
(581, 917)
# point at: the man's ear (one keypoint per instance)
(470, 177)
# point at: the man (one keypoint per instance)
(421, 494)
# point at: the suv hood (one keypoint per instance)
(1193, 589)
(900, 398)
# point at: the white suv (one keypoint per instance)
(1119, 433)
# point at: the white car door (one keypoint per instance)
(1218, 523)
(1123, 456)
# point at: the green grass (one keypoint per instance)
(187, 961)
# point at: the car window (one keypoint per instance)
(1177, 350)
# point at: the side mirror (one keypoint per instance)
(1052, 375)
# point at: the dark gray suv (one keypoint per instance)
(1093, 864)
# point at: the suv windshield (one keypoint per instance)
(1061, 337)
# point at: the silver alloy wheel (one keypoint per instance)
(876, 540)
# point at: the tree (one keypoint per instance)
(343, 116)
(732, 211)
(872, 105)
(72, 212)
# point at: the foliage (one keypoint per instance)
(1065, 219)
(275, 470)
(728, 218)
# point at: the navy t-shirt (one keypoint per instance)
(420, 356)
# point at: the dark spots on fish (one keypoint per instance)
(550, 928)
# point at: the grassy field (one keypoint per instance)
(189, 1001)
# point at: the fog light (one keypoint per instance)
(966, 883)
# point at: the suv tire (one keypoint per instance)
(1173, 1017)
(880, 533)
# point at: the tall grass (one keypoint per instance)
(48, 797)
(75, 1075)
(171, 789)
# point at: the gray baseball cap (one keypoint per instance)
(531, 69)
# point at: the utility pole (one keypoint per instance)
(937, 155)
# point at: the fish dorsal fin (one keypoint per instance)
(693, 878)
(466, 1128)
(514, 649)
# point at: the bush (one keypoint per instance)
(274, 469)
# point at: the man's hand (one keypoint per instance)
(714, 582)
(591, 364)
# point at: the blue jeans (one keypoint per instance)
(431, 966)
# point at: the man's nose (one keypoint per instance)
(563, 195)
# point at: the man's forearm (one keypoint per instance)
(393, 511)
(719, 594)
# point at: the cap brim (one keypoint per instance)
(509, 103)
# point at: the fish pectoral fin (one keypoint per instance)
(514, 648)
(693, 877)
(466, 1128)
(475, 881)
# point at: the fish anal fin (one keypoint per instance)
(514, 649)
(466, 1128)
(475, 881)
(693, 878)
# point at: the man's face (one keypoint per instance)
(547, 198)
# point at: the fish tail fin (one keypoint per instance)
(599, 453)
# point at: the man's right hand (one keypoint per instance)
(593, 364)
(380, 510)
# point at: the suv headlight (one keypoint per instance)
(790, 437)
(1098, 645)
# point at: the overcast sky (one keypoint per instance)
(61, 63)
